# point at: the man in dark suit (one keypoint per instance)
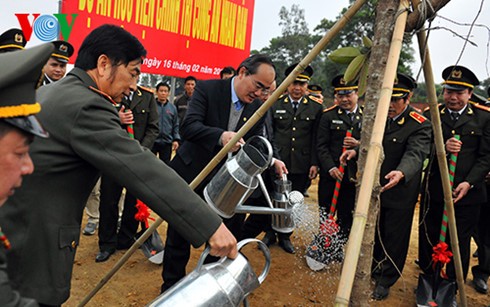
(218, 108)
(86, 138)
(21, 71)
(140, 111)
(472, 123)
(55, 67)
(295, 122)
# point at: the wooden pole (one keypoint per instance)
(441, 158)
(374, 152)
(336, 28)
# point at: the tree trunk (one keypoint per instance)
(385, 17)
(414, 19)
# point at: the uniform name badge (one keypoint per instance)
(336, 121)
(280, 111)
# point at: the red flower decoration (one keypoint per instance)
(441, 254)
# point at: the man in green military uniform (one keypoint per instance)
(295, 122)
(21, 71)
(406, 144)
(55, 67)
(472, 123)
(12, 40)
(85, 139)
(331, 139)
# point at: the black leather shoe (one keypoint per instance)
(480, 285)
(269, 238)
(103, 256)
(287, 246)
(380, 293)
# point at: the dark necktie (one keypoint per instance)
(454, 116)
(295, 106)
(351, 117)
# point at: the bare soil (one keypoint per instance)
(290, 282)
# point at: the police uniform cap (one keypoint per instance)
(459, 78)
(403, 85)
(475, 98)
(304, 76)
(63, 51)
(341, 87)
(315, 89)
(21, 75)
(12, 39)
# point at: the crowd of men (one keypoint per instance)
(97, 122)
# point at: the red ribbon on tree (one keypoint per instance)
(143, 213)
(441, 256)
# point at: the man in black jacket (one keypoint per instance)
(218, 108)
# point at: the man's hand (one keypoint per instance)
(223, 243)
(461, 190)
(227, 136)
(175, 145)
(453, 145)
(350, 142)
(335, 173)
(347, 155)
(126, 116)
(280, 168)
(313, 172)
(394, 178)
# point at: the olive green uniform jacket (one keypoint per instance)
(43, 218)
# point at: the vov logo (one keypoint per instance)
(47, 27)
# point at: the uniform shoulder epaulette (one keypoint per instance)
(282, 96)
(330, 108)
(101, 93)
(146, 89)
(481, 107)
(417, 117)
(316, 99)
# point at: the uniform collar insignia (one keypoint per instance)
(401, 121)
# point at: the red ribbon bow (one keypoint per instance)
(143, 213)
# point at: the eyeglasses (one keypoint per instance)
(259, 86)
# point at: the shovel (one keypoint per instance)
(436, 290)
(320, 252)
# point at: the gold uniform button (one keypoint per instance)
(307, 118)
(280, 117)
(472, 132)
(293, 139)
(338, 128)
(73, 244)
(143, 111)
(294, 118)
(292, 149)
(394, 139)
(294, 128)
(453, 132)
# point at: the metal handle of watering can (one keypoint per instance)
(264, 190)
(267, 144)
(265, 251)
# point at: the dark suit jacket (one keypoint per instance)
(44, 216)
(406, 144)
(206, 119)
(473, 161)
(295, 134)
(145, 114)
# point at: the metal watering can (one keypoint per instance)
(280, 207)
(223, 283)
(237, 178)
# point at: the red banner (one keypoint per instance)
(182, 37)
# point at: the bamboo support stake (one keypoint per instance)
(336, 28)
(441, 158)
(374, 152)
